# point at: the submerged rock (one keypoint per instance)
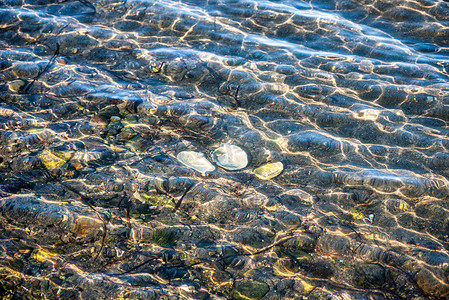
(369, 275)
(397, 206)
(431, 284)
(250, 290)
(196, 161)
(43, 255)
(269, 171)
(230, 157)
(16, 85)
(50, 160)
(218, 281)
(285, 267)
(86, 225)
(137, 143)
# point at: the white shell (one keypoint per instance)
(196, 161)
(230, 157)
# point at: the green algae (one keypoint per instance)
(164, 237)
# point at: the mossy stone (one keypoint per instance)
(356, 215)
(250, 290)
(155, 199)
(50, 160)
(43, 255)
(396, 206)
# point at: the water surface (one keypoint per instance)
(97, 99)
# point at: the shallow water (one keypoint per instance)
(97, 99)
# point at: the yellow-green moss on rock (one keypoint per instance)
(250, 290)
(155, 199)
(50, 160)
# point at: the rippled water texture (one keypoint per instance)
(98, 98)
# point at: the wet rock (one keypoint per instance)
(39, 212)
(217, 280)
(109, 111)
(253, 237)
(435, 258)
(368, 275)
(269, 171)
(128, 133)
(26, 70)
(24, 163)
(16, 85)
(432, 209)
(334, 244)
(289, 220)
(43, 255)
(137, 293)
(155, 199)
(14, 185)
(320, 268)
(285, 284)
(99, 122)
(50, 160)
(303, 286)
(114, 127)
(250, 290)
(196, 161)
(75, 89)
(168, 84)
(138, 143)
(301, 243)
(9, 280)
(231, 258)
(198, 124)
(431, 284)
(230, 157)
(87, 225)
(317, 144)
(292, 198)
(147, 109)
(73, 43)
(286, 267)
(100, 157)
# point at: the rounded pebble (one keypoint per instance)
(269, 171)
(196, 161)
(251, 290)
(230, 157)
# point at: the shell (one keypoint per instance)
(196, 161)
(230, 157)
(269, 171)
